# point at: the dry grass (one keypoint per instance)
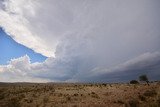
(79, 95)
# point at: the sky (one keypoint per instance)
(12, 50)
(79, 40)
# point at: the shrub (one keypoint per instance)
(150, 93)
(2, 96)
(68, 98)
(45, 99)
(94, 95)
(142, 98)
(158, 99)
(104, 84)
(134, 82)
(119, 102)
(132, 103)
(75, 94)
(13, 102)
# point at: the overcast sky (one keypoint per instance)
(82, 40)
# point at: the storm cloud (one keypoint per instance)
(84, 40)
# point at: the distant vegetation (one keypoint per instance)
(144, 78)
(134, 82)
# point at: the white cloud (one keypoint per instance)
(13, 19)
(82, 35)
(40, 24)
(19, 70)
(71, 71)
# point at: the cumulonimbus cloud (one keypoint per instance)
(80, 36)
(59, 70)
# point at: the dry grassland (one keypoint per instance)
(79, 95)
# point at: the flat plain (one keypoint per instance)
(79, 95)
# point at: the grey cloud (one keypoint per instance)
(147, 63)
(81, 70)
(44, 23)
(93, 40)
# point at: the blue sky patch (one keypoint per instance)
(10, 49)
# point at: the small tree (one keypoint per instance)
(144, 78)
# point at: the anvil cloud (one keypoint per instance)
(84, 40)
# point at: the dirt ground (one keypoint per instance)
(79, 95)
